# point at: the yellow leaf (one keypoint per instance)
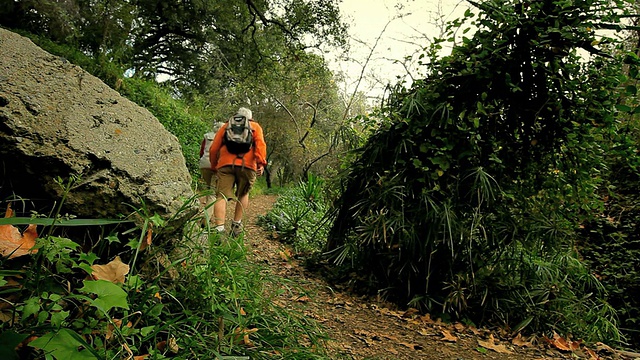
(173, 345)
(114, 271)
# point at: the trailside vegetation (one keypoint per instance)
(197, 298)
(470, 198)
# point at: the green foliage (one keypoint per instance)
(468, 198)
(298, 216)
(205, 300)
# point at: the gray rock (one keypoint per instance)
(56, 120)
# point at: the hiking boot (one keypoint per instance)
(236, 229)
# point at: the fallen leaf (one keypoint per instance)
(426, 318)
(563, 344)
(425, 332)
(9, 212)
(244, 333)
(147, 240)
(13, 243)
(448, 337)
(603, 347)
(114, 271)
(303, 299)
(173, 345)
(411, 346)
(491, 345)
(140, 357)
(410, 312)
(459, 327)
(520, 341)
(285, 254)
(592, 354)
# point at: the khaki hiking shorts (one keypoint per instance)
(230, 176)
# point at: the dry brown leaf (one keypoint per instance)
(285, 254)
(6, 316)
(563, 344)
(491, 345)
(242, 312)
(592, 354)
(425, 332)
(161, 345)
(114, 271)
(460, 327)
(474, 330)
(603, 347)
(246, 341)
(147, 240)
(520, 341)
(141, 357)
(303, 299)
(13, 243)
(448, 337)
(426, 318)
(410, 312)
(411, 346)
(242, 336)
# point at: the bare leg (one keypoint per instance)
(241, 205)
(220, 211)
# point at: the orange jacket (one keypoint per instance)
(256, 157)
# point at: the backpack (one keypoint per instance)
(208, 140)
(238, 137)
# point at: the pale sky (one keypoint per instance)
(409, 24)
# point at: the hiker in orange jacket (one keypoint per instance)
(239, 170)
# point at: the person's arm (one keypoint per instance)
(260, 148)
(202, 147)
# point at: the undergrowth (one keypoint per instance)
(299, 216)
(196, 298)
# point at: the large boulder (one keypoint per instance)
(58, 121)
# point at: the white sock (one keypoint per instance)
(220, 228)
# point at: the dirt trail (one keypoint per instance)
(364, 328)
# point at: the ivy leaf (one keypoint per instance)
(62, 345)
(31, 306)
(623, 108)
(631, 90)
(89, 257)
(58, 317)
(109, 294)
